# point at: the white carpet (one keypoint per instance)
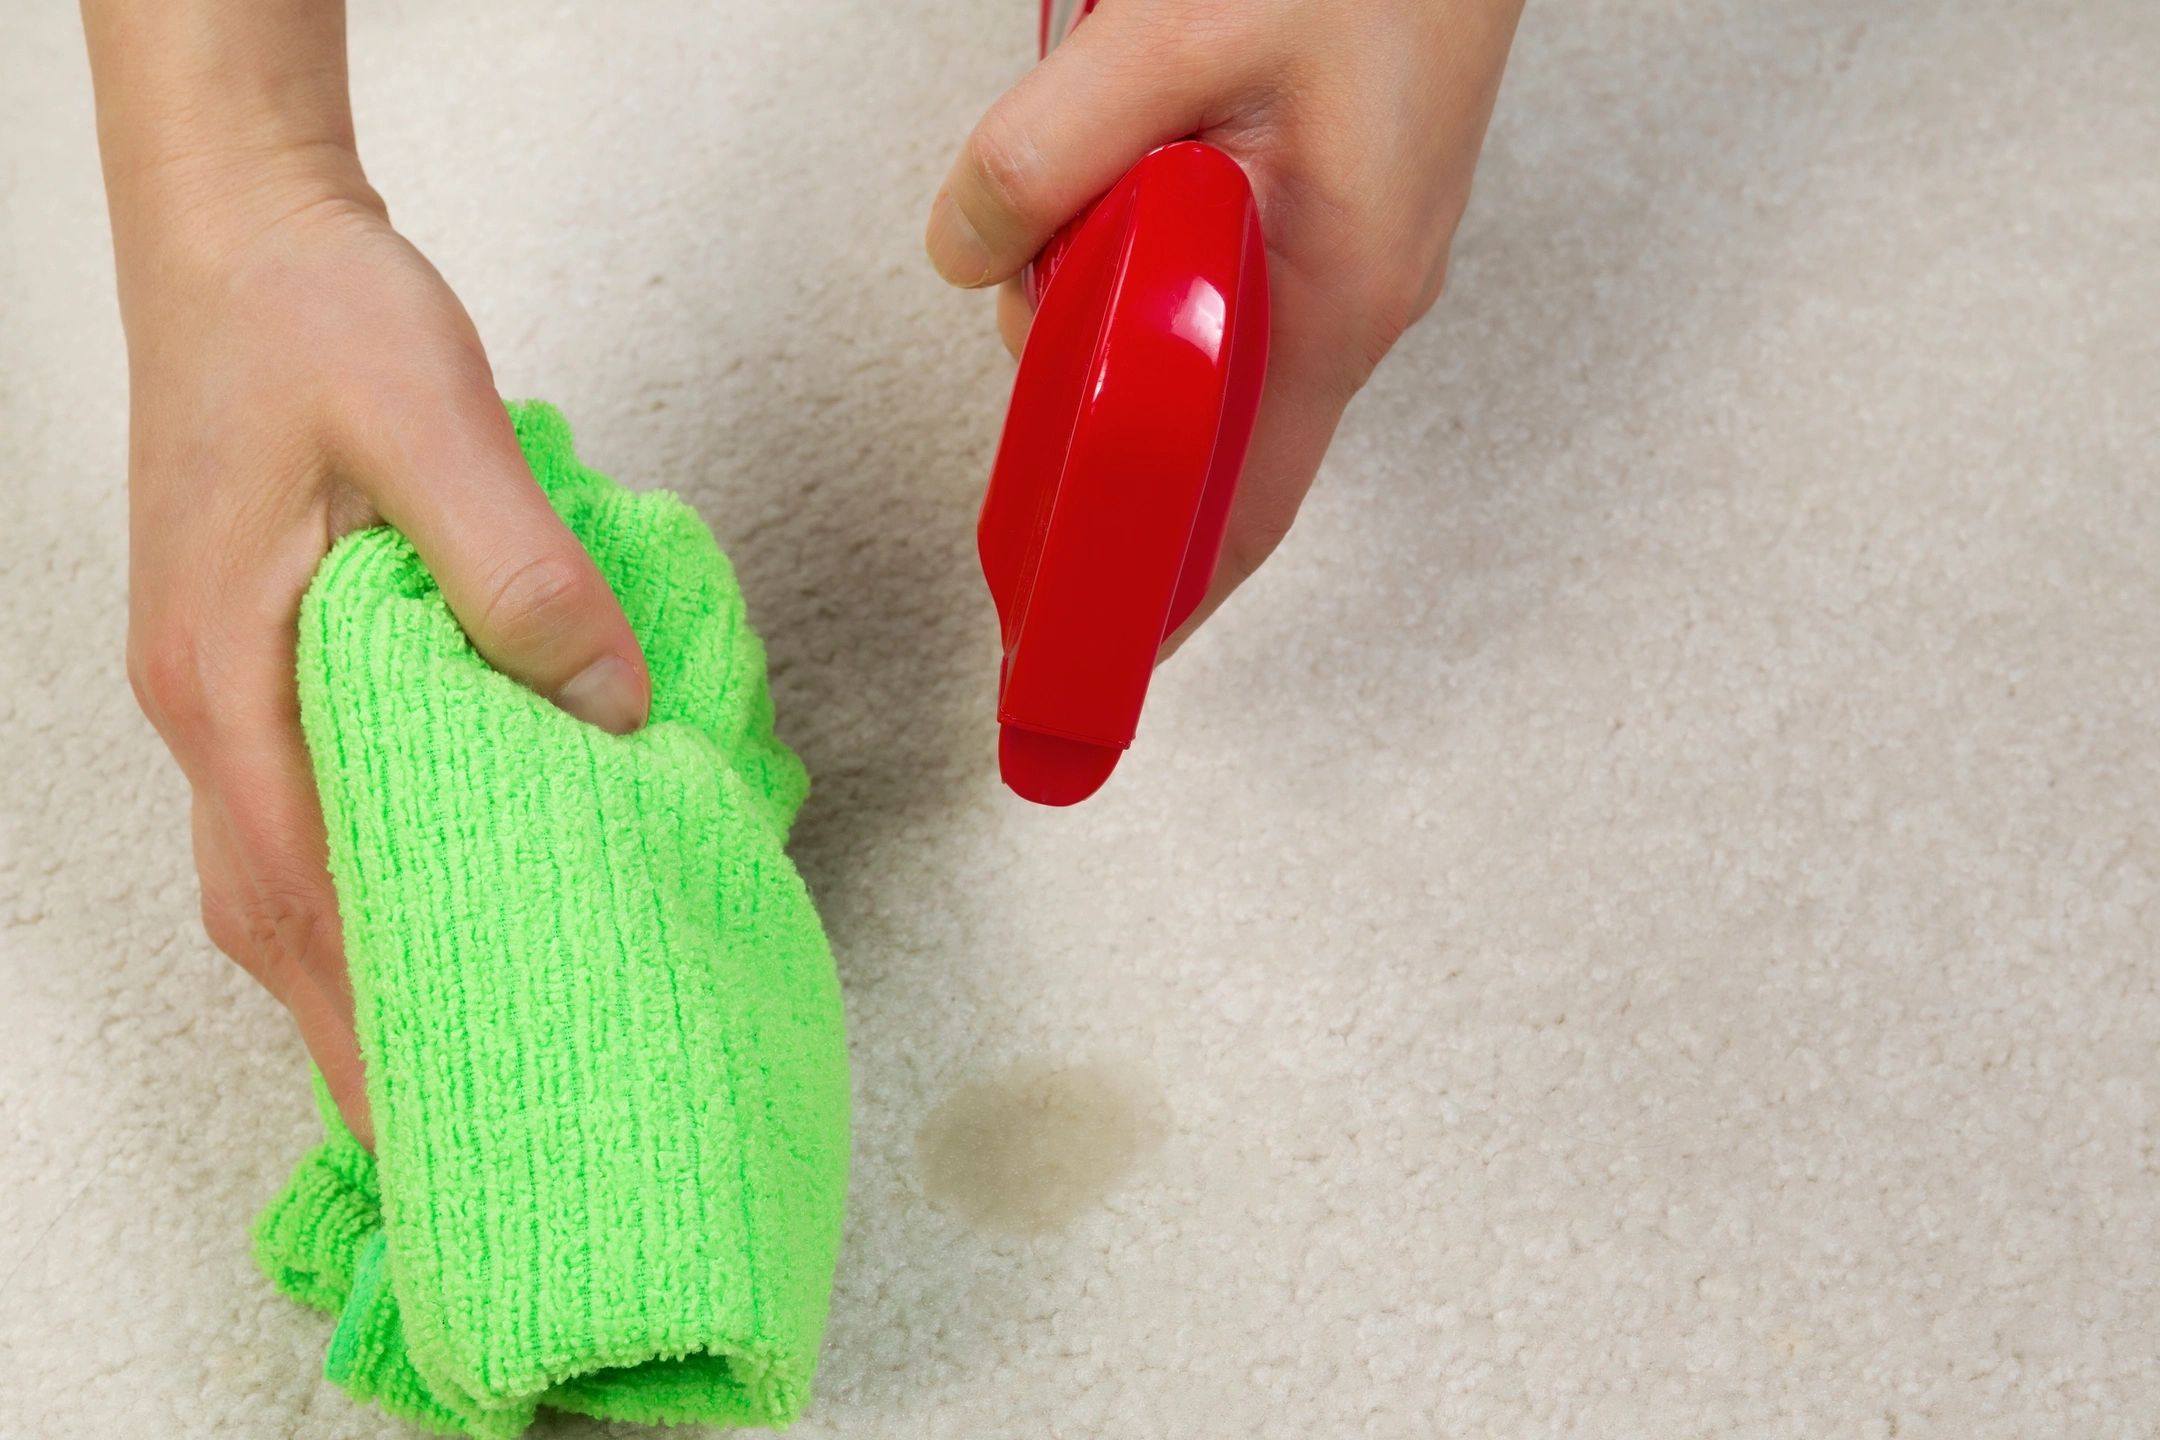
(1641, 922)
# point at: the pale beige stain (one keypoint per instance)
(1029, 1149)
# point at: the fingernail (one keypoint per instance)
(955, 248)
(606, 693)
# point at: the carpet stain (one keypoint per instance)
(1029, 1149)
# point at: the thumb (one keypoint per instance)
(1131, 77)
(449, 474)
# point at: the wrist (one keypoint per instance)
(216, 121)
(226, 192)
(192, 220)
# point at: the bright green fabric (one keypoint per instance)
(601, 1027)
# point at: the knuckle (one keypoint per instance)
(1006, 163)
(1252, 540)
(221, 921)
(1396, 296)
(282, 932)
(539, 596)
(294, 924)
(164, 669)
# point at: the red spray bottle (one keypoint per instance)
(1130, 416)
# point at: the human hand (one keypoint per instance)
(1358, 123)
(297, 371)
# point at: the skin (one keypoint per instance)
(297, 370)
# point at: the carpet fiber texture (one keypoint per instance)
(602, 1034)
(1639, 921)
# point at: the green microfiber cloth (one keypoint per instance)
(601, 1027)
